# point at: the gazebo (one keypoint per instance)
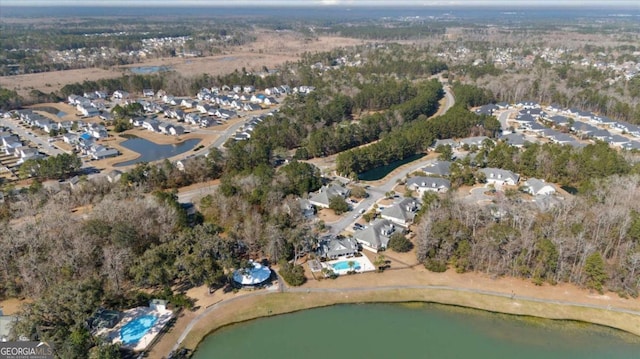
(253, 276)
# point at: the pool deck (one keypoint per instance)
(113, 335)
(363, 261)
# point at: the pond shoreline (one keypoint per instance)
(264, 304)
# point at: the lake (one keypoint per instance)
(150, 151)
(380, 172)
(414, 330)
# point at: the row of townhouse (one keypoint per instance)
(15, 147)
(244, 132)
(154, 125)
(86, 145)
(32, 119)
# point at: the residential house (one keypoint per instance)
(164, 127)
(104, 152)
(237, 88)
(148, 93)
(251, 107)
(514, 139)
(337, 247)
(270, 101)
(176, 130)
(401, 213)
(446, 142)
(375, 237)
(70, 138)
(537, 187)
(102, 95)
(272, 91)
(474, 141)
(500, 177)
(438, 168)
(188, 103)
(562, 138)
(486, 109)
(308, 210)
(423, 184)
(204, 108)
(617, 140)
(151, 125)
(248, 89)
(324, 195)
(119, 94)
(192, 118)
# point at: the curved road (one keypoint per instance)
(219, 305)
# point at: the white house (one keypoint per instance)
(538, 187)
(500, 177)
(423, 184)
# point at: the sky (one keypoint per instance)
(630, 4)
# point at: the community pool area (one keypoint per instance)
(137, 328)
(345, 265)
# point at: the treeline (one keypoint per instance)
(471, 95)
(320, 130)
(592, 241)
(556, 163)
(393, 32)
(415, 138)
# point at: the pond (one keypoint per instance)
(150, 151)
(414, 330)
(145, 70)
(379, 172)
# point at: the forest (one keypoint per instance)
(592, 240)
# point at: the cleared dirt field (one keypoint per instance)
(270, 49)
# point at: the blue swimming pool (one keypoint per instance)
(344, 265)
(131, 332)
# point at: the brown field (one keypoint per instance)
(270, 49)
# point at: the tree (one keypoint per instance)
(400, 243)
(292, 274)
(445, 152)
(338, 204)
(359, 192)
(380, 262)
(595, 271)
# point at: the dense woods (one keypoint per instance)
(590, 240)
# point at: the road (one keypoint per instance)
(504, 117)
(378, 192)
(518, 299)
(42, 143)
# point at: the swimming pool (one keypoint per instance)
(344, 265)
(131, 332)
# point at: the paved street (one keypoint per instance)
(41, 142)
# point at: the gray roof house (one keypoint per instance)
(500, 176)
(538, 187)
(401, 213)
(422, 184)
(324, 195)
(335, 247)
(438, 168)
(446, 142)
(376, 236)
(478, 140)
(514, 139)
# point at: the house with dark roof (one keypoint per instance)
(337, 247)
(423, 184)
(438, 168)
(401, 213)
(324, 195)
(375, 237)
(514, 139)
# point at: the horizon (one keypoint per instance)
(336, 4)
